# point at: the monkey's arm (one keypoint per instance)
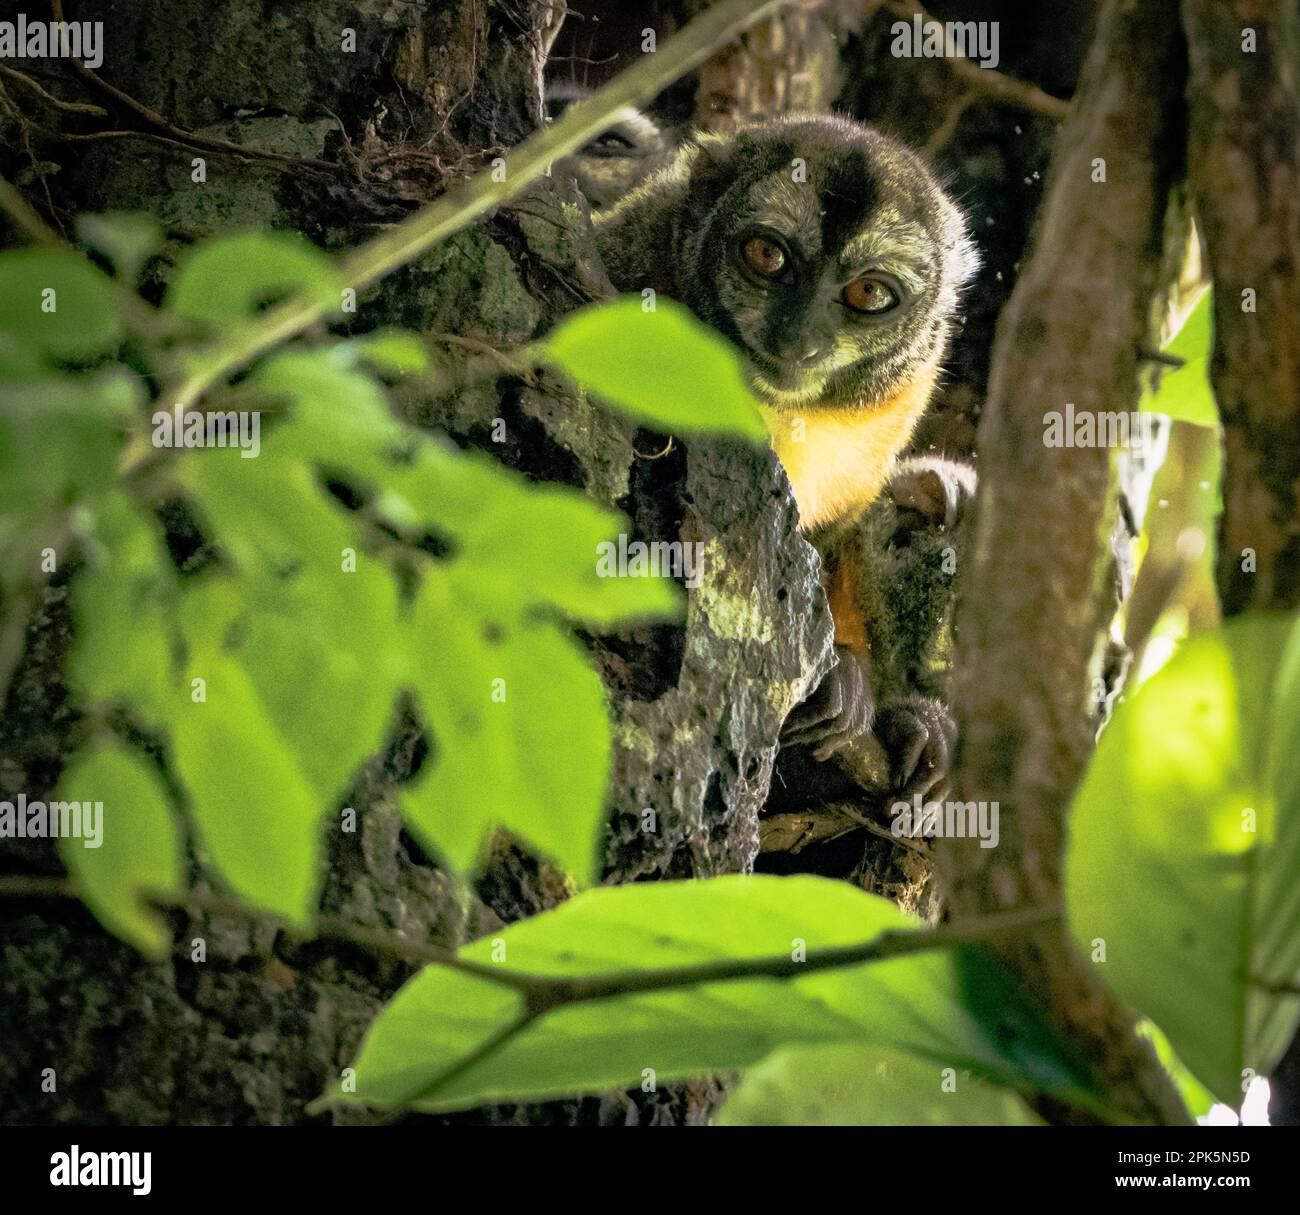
(889, 580)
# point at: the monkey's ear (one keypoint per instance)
(709, 165)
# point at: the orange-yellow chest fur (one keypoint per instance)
(838, 459)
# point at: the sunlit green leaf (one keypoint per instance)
(525, 544)
(1185, 845)
(661, 366)
(121, 643)
(127, 238)
(225, 282)
(843, 1084)
(56, 303)
(916, 1003)
(394, 351)
(258, 816)
(139, 850)
(520, 733)
(59, 442)
(1185, 392)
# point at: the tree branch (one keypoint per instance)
(989, 81)
(1035, 597)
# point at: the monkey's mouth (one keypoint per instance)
(778, 380)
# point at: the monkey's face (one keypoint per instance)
(828, 254)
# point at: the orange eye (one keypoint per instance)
(869, 295)
(764, 257)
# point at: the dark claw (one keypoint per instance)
(918, 735)
(839, 710)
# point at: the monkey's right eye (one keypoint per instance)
(764, 257)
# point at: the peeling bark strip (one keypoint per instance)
(1034, 597)
(1244, 171)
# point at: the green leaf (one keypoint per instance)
(844, 1084)
(121, 648)
(394, 351)
(441, 1018)
(521, 735)
(56, 304)
(139, 851)
(258, 816)
(1185, 844)
(325, 692)
(59, 443)
(1185, 393)
(1196, 1097)
(663, 367)
(225, 283)
(523, 545)
(127, 238)
(339, 416)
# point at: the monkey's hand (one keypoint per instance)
(919, 736)
(840, 710)
(928, 493)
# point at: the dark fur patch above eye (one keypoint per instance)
(848, 196)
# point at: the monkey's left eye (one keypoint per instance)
(870, 295)
(764, 257)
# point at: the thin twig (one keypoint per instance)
(25, 218)
(990, 81)
(73, 107)
(544, 992)
(191, 139)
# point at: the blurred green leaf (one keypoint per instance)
(59, 443)
(1185, 845)
(139, 851)
(310, 617)
(127, 238)
(121, 648)
(1185, 393)
(441, 1017)
(843, 1084)
(522, 545)
(663, 367)
(56, 304)
(226, 282)
(521, 736)
(257, 814)
(1196, 1097)
(394, 351)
